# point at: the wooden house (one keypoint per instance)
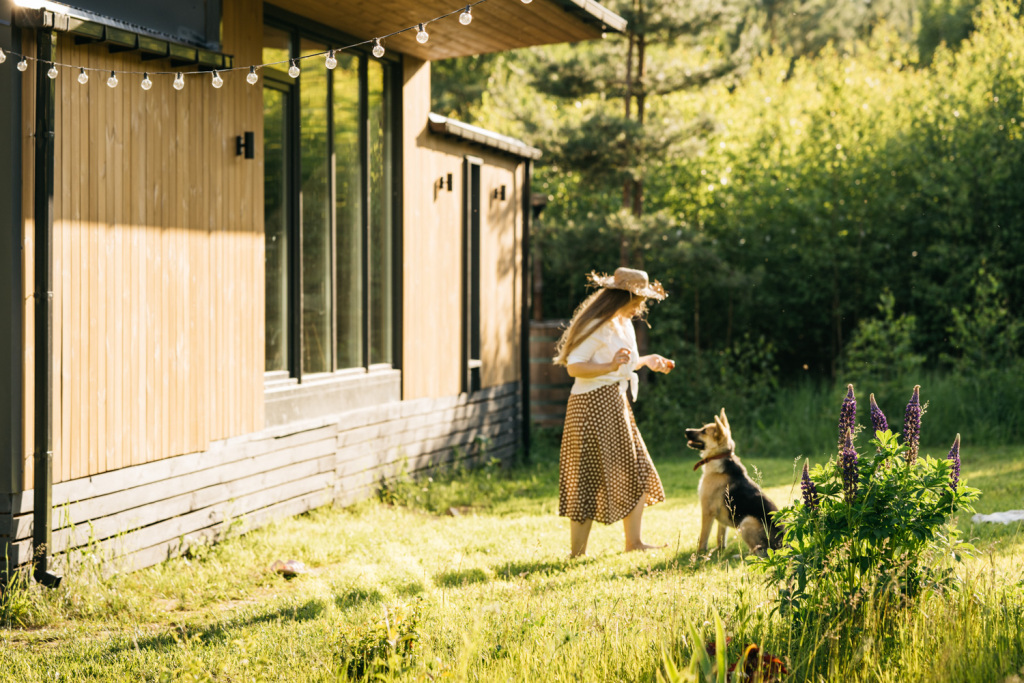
(243, 302)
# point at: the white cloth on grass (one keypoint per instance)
(1008, 517)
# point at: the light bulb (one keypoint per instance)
(466, 16)
(422, 36)
(112, 81)
(52, 73)
(217, 80)
(83, 77)
(179, 81)
(293, 70)
(23, 64)
(330, 62)
(3, 56)
(252, 77)
(378, 49)
(146, 83)
(527, 2)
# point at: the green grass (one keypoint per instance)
(498, 598)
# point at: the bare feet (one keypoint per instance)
(643, 546)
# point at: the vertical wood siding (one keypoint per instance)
(158, 259)
(432, 224)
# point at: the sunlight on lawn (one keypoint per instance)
(498, 597)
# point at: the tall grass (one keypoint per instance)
(498, 599)
(985, 407)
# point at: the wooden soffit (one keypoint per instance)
(497, 25)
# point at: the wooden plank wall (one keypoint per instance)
(158, 259)
(433, 253)
(143, 515)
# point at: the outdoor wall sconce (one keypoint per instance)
(246, 144)
(445, 180)
(499, 193)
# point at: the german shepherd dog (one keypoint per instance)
(728, 494)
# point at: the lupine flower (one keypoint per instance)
(809, 490)
(912, 424)
(847, 415)
(848, 467)
(878, 421)
(954, 455)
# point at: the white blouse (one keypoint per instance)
(600, 347)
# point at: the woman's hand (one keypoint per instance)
(658, 363)
(620, 358)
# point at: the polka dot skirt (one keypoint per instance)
(604, 468)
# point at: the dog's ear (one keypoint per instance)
(725, 420)
(722, 429)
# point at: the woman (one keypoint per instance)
(605, 471)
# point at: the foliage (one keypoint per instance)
(880, 352)
(872, 528)
(984, 334)
(790, 196)
(387, 643)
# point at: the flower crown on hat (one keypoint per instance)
(631, 280)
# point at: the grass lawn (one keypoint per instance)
(489, 594)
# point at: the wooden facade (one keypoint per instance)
(157, 261)
(164, 423)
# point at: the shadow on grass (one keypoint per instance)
(356, 596)
(463, 577)
(411, 589)
(221, 632)
(511, 570)
(685, 562)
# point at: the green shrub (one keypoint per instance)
(874, 526)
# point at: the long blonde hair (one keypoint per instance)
(596, 310)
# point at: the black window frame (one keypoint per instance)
(298, 28)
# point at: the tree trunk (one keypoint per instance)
(641, 102)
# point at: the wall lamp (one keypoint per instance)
(246, 145)
(443, 181)
(499, 193)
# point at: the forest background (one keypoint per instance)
(831, 192)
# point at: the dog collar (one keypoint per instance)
(704, 461)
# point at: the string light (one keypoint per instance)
(330, 56)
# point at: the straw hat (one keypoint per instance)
(634, 281)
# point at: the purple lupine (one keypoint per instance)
(848, 467)
(878, 421)
(954, 470)
(847, 415)
(912, 424)
(810, 491)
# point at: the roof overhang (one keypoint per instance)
(497, 24)
(480, 136)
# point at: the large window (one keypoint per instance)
(330, 206)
